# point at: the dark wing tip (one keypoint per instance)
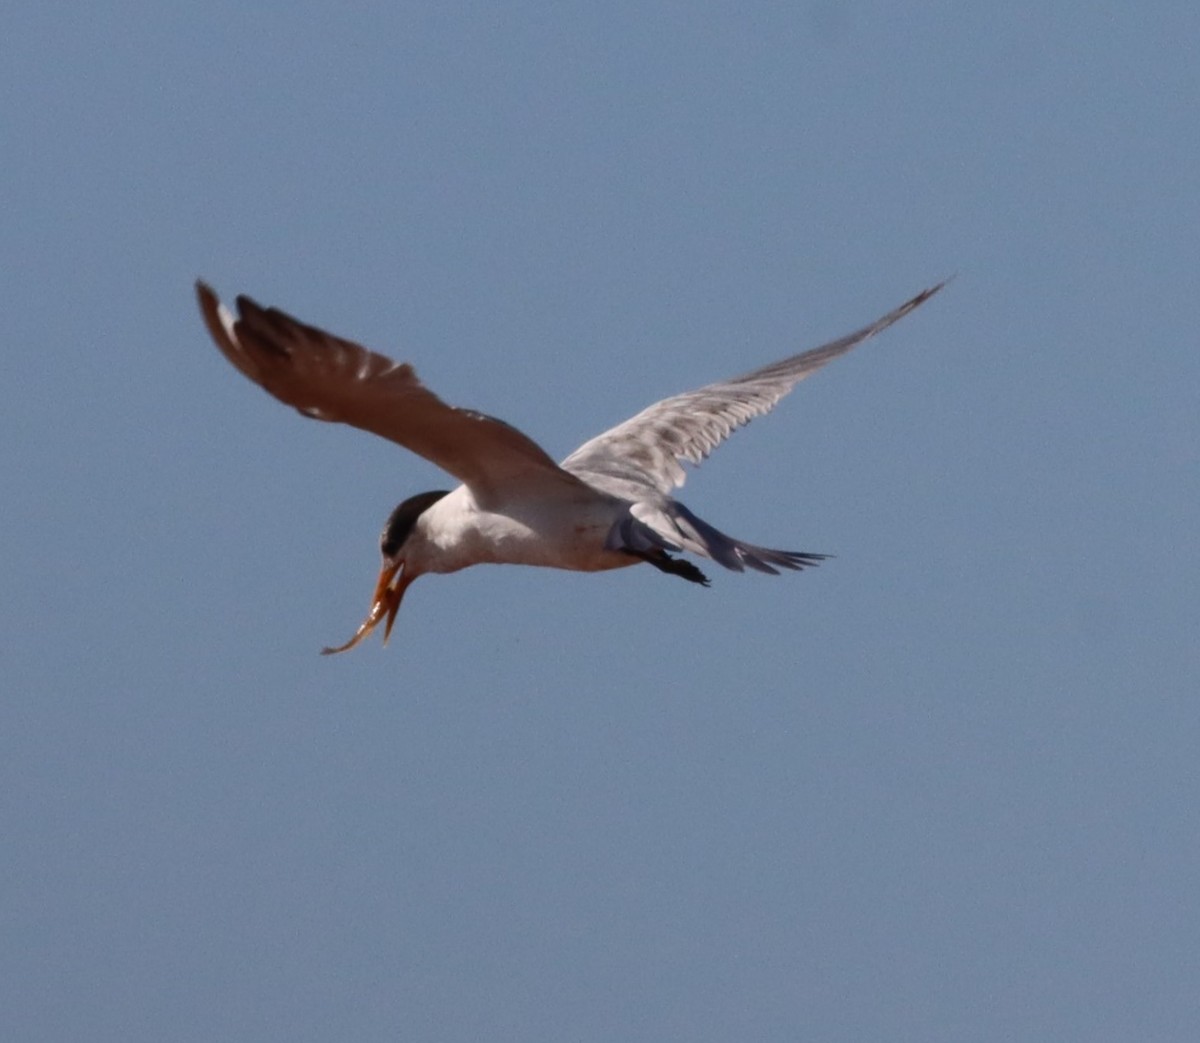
(239, 340)
(247, 305)
(211, 312)
(924, 295)
(207, 298)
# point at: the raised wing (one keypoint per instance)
(328, 378)
(649, 449)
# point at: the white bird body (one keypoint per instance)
(608, 505)
(564, 529)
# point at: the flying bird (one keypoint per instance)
(606, 506)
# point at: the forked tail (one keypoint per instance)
(651, 530)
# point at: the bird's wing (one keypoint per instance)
(328, 378)
(649, 449)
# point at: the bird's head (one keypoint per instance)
(394, 576)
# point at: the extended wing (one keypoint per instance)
(649, 449)
(328, 378)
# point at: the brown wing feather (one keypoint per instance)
(328, 378)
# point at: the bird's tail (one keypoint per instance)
(672, 527)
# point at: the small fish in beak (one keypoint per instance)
(388, 593)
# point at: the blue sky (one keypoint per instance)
(941, 788)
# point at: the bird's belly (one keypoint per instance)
(562, 536)
(565, 543)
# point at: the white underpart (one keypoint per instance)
(555, 530)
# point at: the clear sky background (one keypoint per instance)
(943, 788)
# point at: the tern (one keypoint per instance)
(606, 506)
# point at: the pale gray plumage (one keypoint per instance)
(648, 449)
